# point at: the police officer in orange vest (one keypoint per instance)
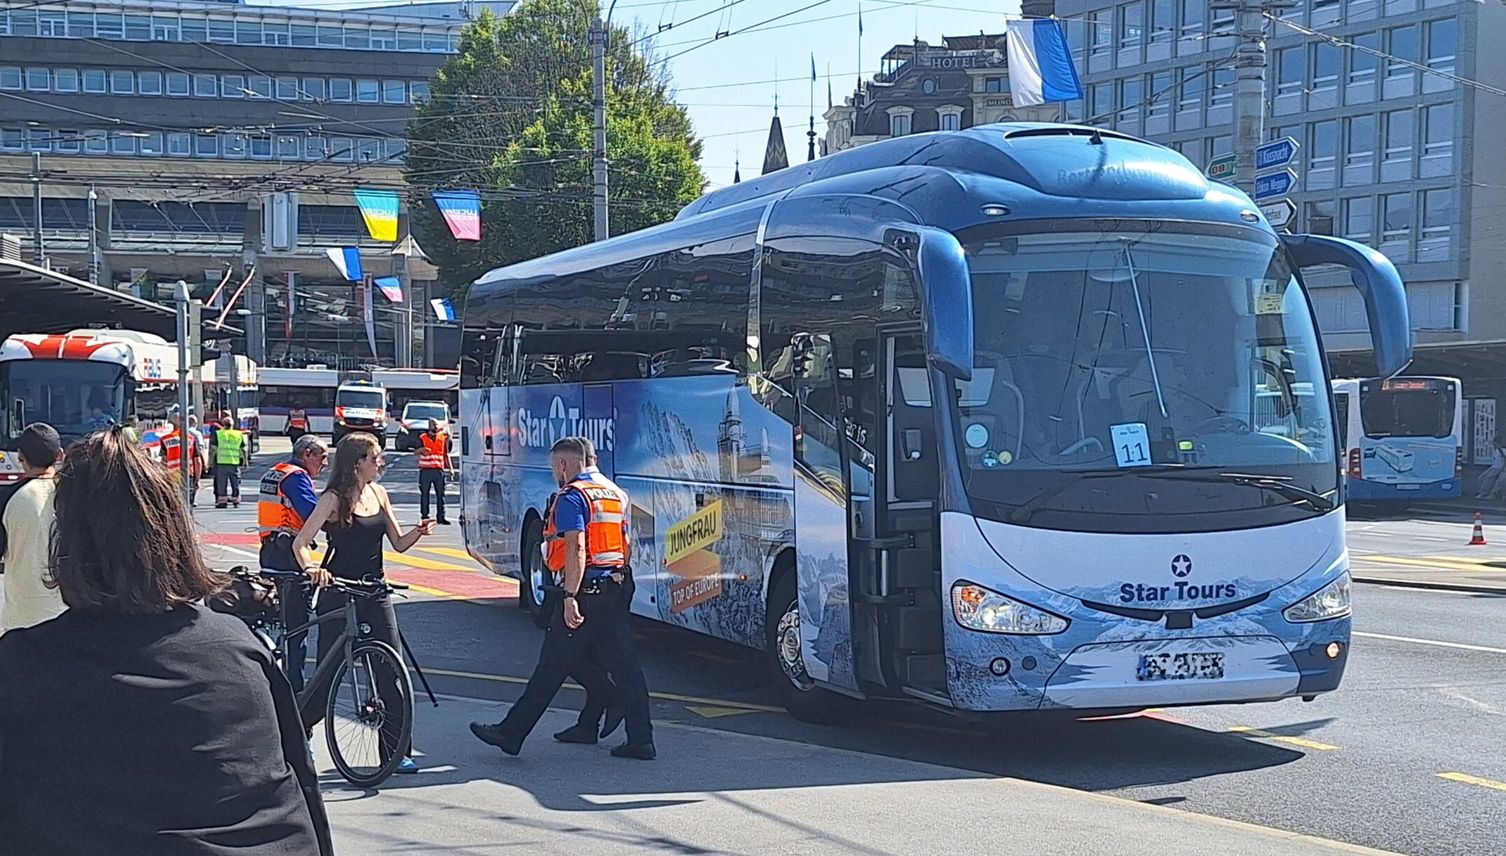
(286, 498)
(433, 466)
(588, 542)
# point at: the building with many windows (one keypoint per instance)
(1396, 144)
(175, 139)
(960, 83)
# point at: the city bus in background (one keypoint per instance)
(313, 389)
(1401, 438)
(1019, 417)
(84, 380)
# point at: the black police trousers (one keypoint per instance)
(277, 554)
(602, 640)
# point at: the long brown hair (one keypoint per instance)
(344, 477)
(124, 542)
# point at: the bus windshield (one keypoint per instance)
(1421, 409)
(73, 396)
(1141, 352)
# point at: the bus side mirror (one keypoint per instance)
(946, 301)
(1380, 285)
(17, 416)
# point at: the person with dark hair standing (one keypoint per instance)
(588, 541)
(139, 721)
(355, 512)
(26, 533)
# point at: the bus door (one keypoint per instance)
(896, 575)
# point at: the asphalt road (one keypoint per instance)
(1407, 756)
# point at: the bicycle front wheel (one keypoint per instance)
(368, 717)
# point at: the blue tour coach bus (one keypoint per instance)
(967, 417)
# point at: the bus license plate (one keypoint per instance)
(1180, 667)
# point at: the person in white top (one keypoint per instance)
(28, 520)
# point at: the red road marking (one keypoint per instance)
(477, 586)
(231, 539)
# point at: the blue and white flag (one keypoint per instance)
(1040, 63)
(347, 260)
(444, 310)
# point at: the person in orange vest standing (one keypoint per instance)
(179, 450)
(588, 541)
(433, 467)
(285, 500)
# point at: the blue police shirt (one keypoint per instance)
(298, 487)
(571, 512)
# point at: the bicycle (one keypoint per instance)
(356, 713)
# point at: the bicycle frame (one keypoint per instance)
(346, 641)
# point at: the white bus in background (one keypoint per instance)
(84, 380)
(1402, 439)
(312, 389)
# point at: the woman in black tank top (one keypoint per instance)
(355, 513)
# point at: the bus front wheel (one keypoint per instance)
(531, 579)
(794, 688)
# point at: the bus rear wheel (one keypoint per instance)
(794, 688)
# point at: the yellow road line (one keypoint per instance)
(413, 561)
(434, 592)
(1474, 780)
(452, 552)
(1433, 562)
(1247, 731)
(715, 702)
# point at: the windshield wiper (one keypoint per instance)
(1276, 484)
(1024, 511)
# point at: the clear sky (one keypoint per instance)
(729, 84)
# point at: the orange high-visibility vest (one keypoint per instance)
(432, 451)
(275, 513)
(172, 449)
(606, 527)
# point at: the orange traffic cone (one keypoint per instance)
(1478, 539)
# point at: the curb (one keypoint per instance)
(1498, 591)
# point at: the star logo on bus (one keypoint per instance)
(1181, 565)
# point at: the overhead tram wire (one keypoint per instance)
(691, 20)
(739, 31)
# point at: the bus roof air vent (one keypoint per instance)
(1096, 135)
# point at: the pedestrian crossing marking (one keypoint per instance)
(1467, 779)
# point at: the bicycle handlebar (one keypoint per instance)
(366, 587)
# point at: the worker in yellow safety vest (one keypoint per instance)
(229, 450)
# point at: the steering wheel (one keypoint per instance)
(1223, 424)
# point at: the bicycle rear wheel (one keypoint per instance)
(368, 716)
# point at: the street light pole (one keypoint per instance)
(601, 227)
(1249, 82)
(93, 238)
(38, 252)
(180, 295)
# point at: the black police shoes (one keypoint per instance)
(583, 734)
(641, 751)
(493, 734)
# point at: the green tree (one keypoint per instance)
(510, 115)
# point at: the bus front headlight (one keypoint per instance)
(1328, 602)
(978, 608)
